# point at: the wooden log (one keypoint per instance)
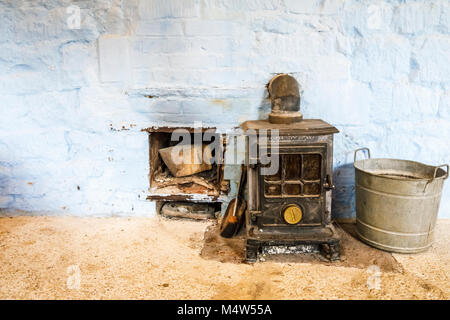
(197, 211)
(187, 160)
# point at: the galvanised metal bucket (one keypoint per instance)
(397, 202)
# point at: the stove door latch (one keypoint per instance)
(328, 185)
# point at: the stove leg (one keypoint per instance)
(251, 253)
(331, 251)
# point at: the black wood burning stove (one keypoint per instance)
(290, 210)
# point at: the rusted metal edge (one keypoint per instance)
(168, 129)
(356, 165)
(308, 127)
(185, 197)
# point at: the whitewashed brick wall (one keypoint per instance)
(73, 100)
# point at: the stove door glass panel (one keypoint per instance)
(271, 189)
(292, 165)
(299, 175)
(277, 176)
(311, 166)
(292, 189)
(312, 189)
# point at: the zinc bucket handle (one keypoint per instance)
(434, 175)
(436, 169)
(365, 149)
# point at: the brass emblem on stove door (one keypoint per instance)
(292, 214)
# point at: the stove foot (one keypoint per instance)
(251, 254)
(331, 251)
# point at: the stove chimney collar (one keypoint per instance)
(284, 94)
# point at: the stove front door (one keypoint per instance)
(294, 196)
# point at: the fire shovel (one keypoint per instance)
(234, 215)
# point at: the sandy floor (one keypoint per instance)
(142, 258)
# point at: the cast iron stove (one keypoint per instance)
(290, 211)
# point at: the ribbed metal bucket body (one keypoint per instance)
(397, 202)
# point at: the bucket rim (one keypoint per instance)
(394, 177)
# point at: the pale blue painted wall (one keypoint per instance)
(73, 101)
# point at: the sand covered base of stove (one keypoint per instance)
(157, 258)
(354, 253)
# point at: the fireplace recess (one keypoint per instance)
(207, 186)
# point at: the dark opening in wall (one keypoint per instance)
(199, 187)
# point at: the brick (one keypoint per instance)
(433, 59)
(444, 106)
(331, 68)
(152, 9)
(162, 28)
(165, 106)
(342, 103)
(6, 201)
(412, 102)
(24, 80)
(113, 58)
(362, 20)
(141, 60)
(307, 44)
(195, 61)
(382, 58)
(204, 106)
(213, 44)
(74, 55)
(165, 45)
(412, 18)
(419, 140)
(314, 6)
(212, 28)
(276, 25)
(444, 22)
